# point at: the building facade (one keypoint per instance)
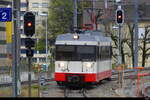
(4, 59)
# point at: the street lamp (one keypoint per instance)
(46, 42)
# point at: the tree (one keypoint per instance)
(60, 21)
(114, 38)
(40, 33)
(60, 18)
(130, 41)
(145, 41)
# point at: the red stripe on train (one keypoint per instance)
(104, 74)
(89, 77)
(62, 76)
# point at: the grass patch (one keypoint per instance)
(7, 91)
(34, 91)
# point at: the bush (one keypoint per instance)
(113, 66)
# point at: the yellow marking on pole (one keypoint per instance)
(9, 32)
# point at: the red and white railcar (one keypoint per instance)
(82, 58)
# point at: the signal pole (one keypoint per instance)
(119, 21)
(29, 31)
(16, 48)
(119, 46)
(46, 42)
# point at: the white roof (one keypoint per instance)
(87, 38)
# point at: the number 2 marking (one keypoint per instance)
(4, 15)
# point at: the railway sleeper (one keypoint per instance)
(69, 92)
(69, 88)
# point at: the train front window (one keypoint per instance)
(75, 53)
(65, 53)
(86, 53)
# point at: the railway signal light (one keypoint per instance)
(29, 43)
(119, 16)
(29, 24)
(29, 53)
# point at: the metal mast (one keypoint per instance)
(136, 33)
(75, 15)
(16, 47)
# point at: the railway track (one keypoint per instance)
(114, 78)
(75, 93)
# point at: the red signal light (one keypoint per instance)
(119, 17)
(29, 24)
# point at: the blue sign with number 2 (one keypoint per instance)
(5, 14)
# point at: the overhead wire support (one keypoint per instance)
(75, 15)
(136, 33)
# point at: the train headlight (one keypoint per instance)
(88, 65)
(75, 36)
(62, 65)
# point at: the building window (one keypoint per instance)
(45, 13)
(141, 32)
(35, 51)
(42, 51)
(23, 4)
(4, 55)
(45, 5)
(23, 59)
(34, 60)
(42, 59)
(35, 5)
(2, 42)
(22, 41)
(23, 51)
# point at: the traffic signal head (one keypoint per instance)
(29, 53)
(29, 42)
(29, 24)
(119, 16)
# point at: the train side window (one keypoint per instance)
(107, 52)
(97, 53)
(111, 53)
(102, 53)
